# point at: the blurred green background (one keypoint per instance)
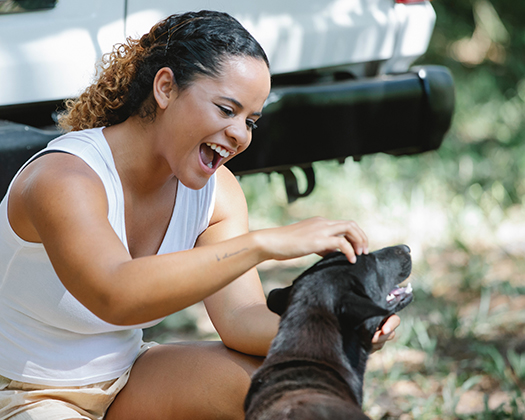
(460, 351)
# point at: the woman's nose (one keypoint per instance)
(239, 134)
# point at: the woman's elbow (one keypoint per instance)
(114, 310)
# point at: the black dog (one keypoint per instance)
(316, 364)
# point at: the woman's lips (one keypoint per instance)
(212, 155)
(207, 155)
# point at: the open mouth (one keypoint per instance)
(399, 294)
(212, 154)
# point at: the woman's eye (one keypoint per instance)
(226, 111)
(230, 113)
(251, 125)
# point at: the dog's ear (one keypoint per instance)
(278, 300)
(357, 309)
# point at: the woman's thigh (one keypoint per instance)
(203, 380)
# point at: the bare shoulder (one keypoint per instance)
(230, 200)
(230, 214)
(51, 186)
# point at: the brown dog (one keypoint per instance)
(316, 364)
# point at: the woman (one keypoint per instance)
(131, 217)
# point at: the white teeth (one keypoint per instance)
(210, 165)
(399, 291)
(218, 149)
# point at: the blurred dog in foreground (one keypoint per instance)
(316, 363)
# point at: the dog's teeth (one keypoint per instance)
(390, 297)
(408, 288)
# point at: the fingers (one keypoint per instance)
(391, 324)
(317, 235)
(379, 340)
(357, 237)
(352, 239)
(348, 249)
(386, 333)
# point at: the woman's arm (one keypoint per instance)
(238, 311)
(59, 201)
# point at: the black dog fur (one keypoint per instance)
(316, 363)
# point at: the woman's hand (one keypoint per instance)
(316, 235)
(385, 333)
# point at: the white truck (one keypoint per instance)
(342, 79)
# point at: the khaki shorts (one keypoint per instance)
(23, 401)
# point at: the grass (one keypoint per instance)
(460, 350)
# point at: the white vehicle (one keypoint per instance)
(342, 81)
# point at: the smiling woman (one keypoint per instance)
(231, 103)
(190, 45)
(131, 217)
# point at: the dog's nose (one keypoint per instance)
(406, 248)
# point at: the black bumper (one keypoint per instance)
(397, 114)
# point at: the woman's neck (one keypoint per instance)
(140, 168)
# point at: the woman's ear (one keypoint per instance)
(164, 87)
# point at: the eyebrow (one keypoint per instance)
(239, 105)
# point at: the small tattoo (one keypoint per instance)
(228, 255)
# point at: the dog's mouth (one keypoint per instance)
(399, 294)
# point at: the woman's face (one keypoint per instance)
(211, 121)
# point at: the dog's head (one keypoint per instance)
(360, 294)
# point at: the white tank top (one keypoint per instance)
(46, 335)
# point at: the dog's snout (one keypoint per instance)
(406, 248)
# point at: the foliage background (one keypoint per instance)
(460, 351)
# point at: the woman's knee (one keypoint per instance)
(186, 380)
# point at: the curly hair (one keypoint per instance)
(190, 44)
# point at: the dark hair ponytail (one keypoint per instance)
(190, 44)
